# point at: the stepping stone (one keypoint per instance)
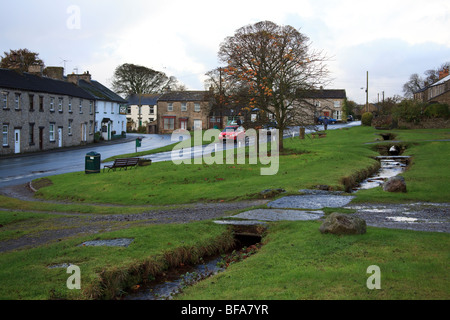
(279, 214)
(309, 201)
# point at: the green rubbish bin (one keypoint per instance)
(92, 162)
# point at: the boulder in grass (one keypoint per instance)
(395, 184)
(343, 224)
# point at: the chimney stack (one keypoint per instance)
(74, 78)
(36, 69)
(443, 73)
(56, 73)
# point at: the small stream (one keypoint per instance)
(173, 281)
(391, 166)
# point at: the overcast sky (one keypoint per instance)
(391, 39)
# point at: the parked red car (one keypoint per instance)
(233, 132)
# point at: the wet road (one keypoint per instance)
(21, 169)
(24, 168)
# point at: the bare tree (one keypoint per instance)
(417, 83)
(20, 60)
(274, 63)
(134, 79)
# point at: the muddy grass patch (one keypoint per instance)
(40, 183)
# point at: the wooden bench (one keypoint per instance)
(122, 163)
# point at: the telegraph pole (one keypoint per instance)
(367, 91)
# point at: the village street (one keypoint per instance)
(15, 170)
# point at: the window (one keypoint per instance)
(5, 134)
(52, 132)
(31, 134)
(151, 109)
(31, 99)
(197, 107)
(170, 107)
(81, 105)
(70, 104)
(5, 100)
(41, 103)
(17, 101)
(52, 104)
(338, 115)
(169, 123)
(91, 103)
(337, 104)
(112, 107)
(69, 128)
(183, 106)
(60, 104)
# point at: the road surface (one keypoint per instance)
(16, 170)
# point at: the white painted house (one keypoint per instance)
(110, 108)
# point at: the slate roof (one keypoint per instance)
(146, 99)
(184, 96)
(13, 80)
(323, 94)
(100, 92)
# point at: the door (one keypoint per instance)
(59, 137)
(183, 124)
(83, 132)
(16, 140)
(41, 138)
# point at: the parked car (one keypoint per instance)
(349, 118)
(330, 120)
(232, 132)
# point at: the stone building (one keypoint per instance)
(187, 110)
(323, 102)
(41, 113)
(438, 92)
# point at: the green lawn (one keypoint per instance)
(296, 261)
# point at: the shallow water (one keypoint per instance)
(173, 284)
(390, 167)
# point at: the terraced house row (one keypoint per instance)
(43, 109)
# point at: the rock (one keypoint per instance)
(338, 223)
(395, 184)
(270, 193)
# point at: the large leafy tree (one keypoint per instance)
(20, 60)
(276, 65)
(134, 79)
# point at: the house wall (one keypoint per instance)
(148, 114)
(76, 125)
(110, 110)
(313, 108)
(178, 115)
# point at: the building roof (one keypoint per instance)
(13, 80)
(441, 81)
(146, 99)
(323, 94)
(184, 96)
(100, 92)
